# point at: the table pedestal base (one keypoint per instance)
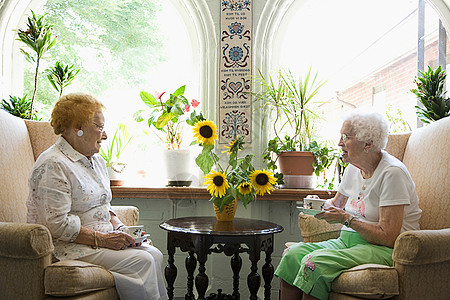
(249, 236)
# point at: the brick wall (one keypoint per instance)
(396, 79)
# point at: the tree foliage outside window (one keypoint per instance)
(114, 43)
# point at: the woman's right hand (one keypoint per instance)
(116, 240)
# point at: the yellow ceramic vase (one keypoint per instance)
(227, 213)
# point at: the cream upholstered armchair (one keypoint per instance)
(26, 268)
(421, 258)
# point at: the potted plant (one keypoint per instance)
(39, 38)
(112, 154)
(237, 180)
(60, 76)
(289, 100)
(168, 117)
(19, 107)
(432, 94)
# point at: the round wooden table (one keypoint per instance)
(200, 236)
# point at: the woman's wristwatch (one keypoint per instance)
(119, 226)
(349, 220)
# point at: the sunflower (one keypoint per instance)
(263, 181)
(235, 145)
(217, 184)
(245, 188)
(205, 132)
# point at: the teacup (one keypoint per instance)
(134, 231)
(312, 203)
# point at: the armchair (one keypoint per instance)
(27, 270)
(421, 258)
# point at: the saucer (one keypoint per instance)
(142, 238)
(311, 212)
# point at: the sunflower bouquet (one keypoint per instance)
(238, 179)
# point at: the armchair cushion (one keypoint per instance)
(315, 230)
(73, 277)
(129, 215)
(41, 136)
(369, 281)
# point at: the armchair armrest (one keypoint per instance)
(315, 230)
(129, 215)
(421, 247)
(422, 261)
(24, 241)
(25, 251)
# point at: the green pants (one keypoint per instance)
(313, 266)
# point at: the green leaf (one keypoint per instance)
(148, 99)
(204, 161)
(163, 120)
(179, 91)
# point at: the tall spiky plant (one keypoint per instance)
(432, 94)
(61, 75)
(39, 38)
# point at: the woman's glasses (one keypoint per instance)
(100, 127)
(345, 137)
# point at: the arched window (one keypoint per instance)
(122, 48)
(365, 50)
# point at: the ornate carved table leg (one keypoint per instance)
(236, 265)
(267, 269)
(191, 264)
(201, 280)
(170, 272)
(253, 279)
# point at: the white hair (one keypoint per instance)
(369, 126)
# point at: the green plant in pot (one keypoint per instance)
(19, 107)
(168, 118)
(324, 158)
(431, 93)
(112, 152)
(60, 76)
(38, 36)
(289, 101)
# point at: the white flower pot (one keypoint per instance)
(116, 179)
(178, 164)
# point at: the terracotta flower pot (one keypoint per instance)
(297, 168)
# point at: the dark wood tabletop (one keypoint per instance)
(210, 226)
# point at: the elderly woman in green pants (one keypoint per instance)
(375, 202)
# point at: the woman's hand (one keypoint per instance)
(333, 215)
(116, 240)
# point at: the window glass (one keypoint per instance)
(365, 50)
(121, 48)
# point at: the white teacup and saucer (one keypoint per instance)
(137, 232)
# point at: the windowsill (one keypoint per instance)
(202, 193)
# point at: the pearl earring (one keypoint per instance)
(80, 132)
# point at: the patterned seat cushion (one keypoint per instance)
(369, 281)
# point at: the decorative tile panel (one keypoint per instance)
(235, 105)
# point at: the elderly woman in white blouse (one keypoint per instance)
(70, 194)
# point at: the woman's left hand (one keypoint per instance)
(333, 215)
